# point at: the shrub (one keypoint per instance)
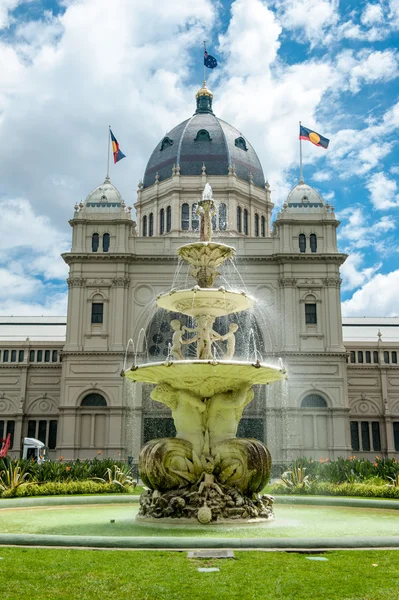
(55, 488)
(12, 477)
(323, 488)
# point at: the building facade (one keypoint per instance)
(60, 378)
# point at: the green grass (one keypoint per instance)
(49, 574)
(291, 521)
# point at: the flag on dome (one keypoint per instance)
(209, 61)
(118, 154)
(312, 136)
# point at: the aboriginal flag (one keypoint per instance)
(312, 136)
(118, 155)
(209, 61)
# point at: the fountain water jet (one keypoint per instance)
(205, 473)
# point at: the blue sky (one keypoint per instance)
(70, 68)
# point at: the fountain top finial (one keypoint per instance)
(207, 193)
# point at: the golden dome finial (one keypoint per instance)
(204, 91)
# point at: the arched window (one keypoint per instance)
(310, 312)
(93, 400)
(185, 217)
(214, 222)
(5, 355)
(239, 213)
(194, 218)
(395, 357)
(313, 242)
(256, 225)
(145, 226)
(360, 356)
(240, 143)
(245, 221)
(313, 401)
(263, 227)
(386, 357)
(151, 225)
(166, 142)
(222, 217)
(21, 355)
(202, 136)
(106, 242)
(95, 241)
(168, 219)
(161, 221)
(302, 242)
(375, 356)
(54, 356)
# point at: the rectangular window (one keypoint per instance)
(355, 435)
(21, 355)
(375, 432)
(353, 356)
(54, 357)
(394, 357)
(368, 356)
(365, 436)
(39, 355)
(310, 314)
(47, 356)
(10, 430)
(52, 435)
(395, 435)
(97, 312)
(41, 435)
(386, 357)
(5, 356)
(13, 356)
(375, 356)
(32, 356)
(32, 429)
(360, 356)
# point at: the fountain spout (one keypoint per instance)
(206, 209)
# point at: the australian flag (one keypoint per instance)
(209, 61)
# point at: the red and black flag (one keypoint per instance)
(312, 136)
(118, 154)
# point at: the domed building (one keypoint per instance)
(60, 377)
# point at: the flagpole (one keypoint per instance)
(300, 155)
(204, 63)
(109, 138)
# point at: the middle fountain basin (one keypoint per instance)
(205, 378)
(205, 301)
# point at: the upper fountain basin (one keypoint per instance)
(205, 301)
(205, 258)
(205, 378)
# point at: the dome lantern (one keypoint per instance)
(204, 100)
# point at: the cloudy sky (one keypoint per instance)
(70, 68)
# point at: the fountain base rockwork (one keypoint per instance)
(205, 473)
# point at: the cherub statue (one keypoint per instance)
(177, 339)
(205, 336)
(208, 479)
(231, 341)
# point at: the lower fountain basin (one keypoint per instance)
(205, 301)
(205, 378)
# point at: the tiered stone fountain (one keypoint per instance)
(205, 473)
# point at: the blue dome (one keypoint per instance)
(204, 140)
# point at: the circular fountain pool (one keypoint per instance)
(363, 524)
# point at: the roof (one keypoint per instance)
(304, 196)
(204, 139)
(53, 329)
(365, 329)
(37, 329)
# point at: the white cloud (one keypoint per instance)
(313, 16)
(383, 191)
(367, 66)
(372, 14)
(353, 274)
(379, 296)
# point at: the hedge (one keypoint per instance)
(57, 488)
(324, 488)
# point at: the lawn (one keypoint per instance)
(49, 574)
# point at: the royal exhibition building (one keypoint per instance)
(60, 377)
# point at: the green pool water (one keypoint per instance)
(291, 521)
